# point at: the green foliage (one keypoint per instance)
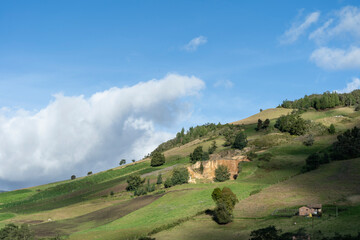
(357, 108)
(259, 125)
(168, 183)
(291, 123)
(309, 140)
(240, 141)
(14, 232)
(180, 176)
(225, 201)
(73, 177)
(221, 174)
(332, 129)
(159, 179)
(347, 145)
(312, 162)
(112, 193)
(268, 233)
(157, 159)
(324, 101)
(198, 155)
(89, 173)
(266, 124)
(262, 125)
(239, 167)
(255, 192)
(212, 148)
(251, 155)
(122, 162)
(134, 182)
(201, 168)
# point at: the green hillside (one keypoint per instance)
(99, 206)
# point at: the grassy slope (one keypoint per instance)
(70, 201)
(270, 113)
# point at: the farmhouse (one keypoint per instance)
(313, 209)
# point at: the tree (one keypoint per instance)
(221, 174)
(198, 155)
(225, 201)
(312, 162)
(291, 123)
(212, 148)
(122, 162)
(201, 168)
(134, 182)
(266, 124)
(332, 129)
(347, 145)
(73, 177)
(259, 125)
(159, 179)
(168, 183)
(157, 159)
(180, 176)
(133, 160)
(14, 232)
(89, 173)
(240, 141)
(268, 233)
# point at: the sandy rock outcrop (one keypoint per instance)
(229, 159)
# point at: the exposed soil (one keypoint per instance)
(95, 219)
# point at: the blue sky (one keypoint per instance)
(243, 55)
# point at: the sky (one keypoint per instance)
(84, 84)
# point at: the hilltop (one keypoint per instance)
(99, 207)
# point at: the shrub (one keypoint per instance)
(14, 232)
(240, 141)
(332, 129)
(357, 108)
(221, 174)
(312, 162)
(168, 183)
(180, 176)
(198, 155)
(122, 162)
(89, 173)
(225, 201)
(159, 179)
(134, 182)
(149, 187)
(112, 193)
(309, 140)
(268, 233)
(140, 191)
(239, 167)
(212, 148)
(259, 125)
(251, 155)
(347, 145)
(201, 168)
(157, 159)
(291, 123)
(255, 192)
(73, 177)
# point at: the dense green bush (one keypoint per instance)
(347, 145)
(251, 155)
(225, 201)
(221, 174)
(168, 183)
(240, 141)
(212, 148)
(73, 177)
(292, 123)
(157, 159)
(332, 129)
(180, 176)
(134, 182)
(198, 155)
(14, 232)
(159, 179)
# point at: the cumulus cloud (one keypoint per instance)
(297, 29)
(355, 84)
(224, 83)
(336, 59)
(74, 134)
(195, 43)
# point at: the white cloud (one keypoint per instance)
(344, 22)
(224, 83)
(355, 84)
(195, 43)
(297, 29)
(336, 59)
(74, 135)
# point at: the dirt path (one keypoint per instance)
(93, 219)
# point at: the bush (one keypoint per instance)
(201, 168)
(212, 148)
(149, 187)
(291, 123)
(221, 174)
(312, 162)
(112, 193)
(240, 141)
(347, 145)
(255, 192)
(225, 201)
(180, 176)
(332, 129)
(168, 183)
(73, 177)
(309, 140)
(14, 232)
(239, 167)
(268, 233)
(122, 162)
(198, 155)
(357, 108)
(134, 182)
(159, 179)
(251, 155)
(140, 191)
(157, 159)
(89, 173)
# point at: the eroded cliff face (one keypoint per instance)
(230, 159)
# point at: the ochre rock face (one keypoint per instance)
(211, 165)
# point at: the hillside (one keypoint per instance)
(99, 207)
